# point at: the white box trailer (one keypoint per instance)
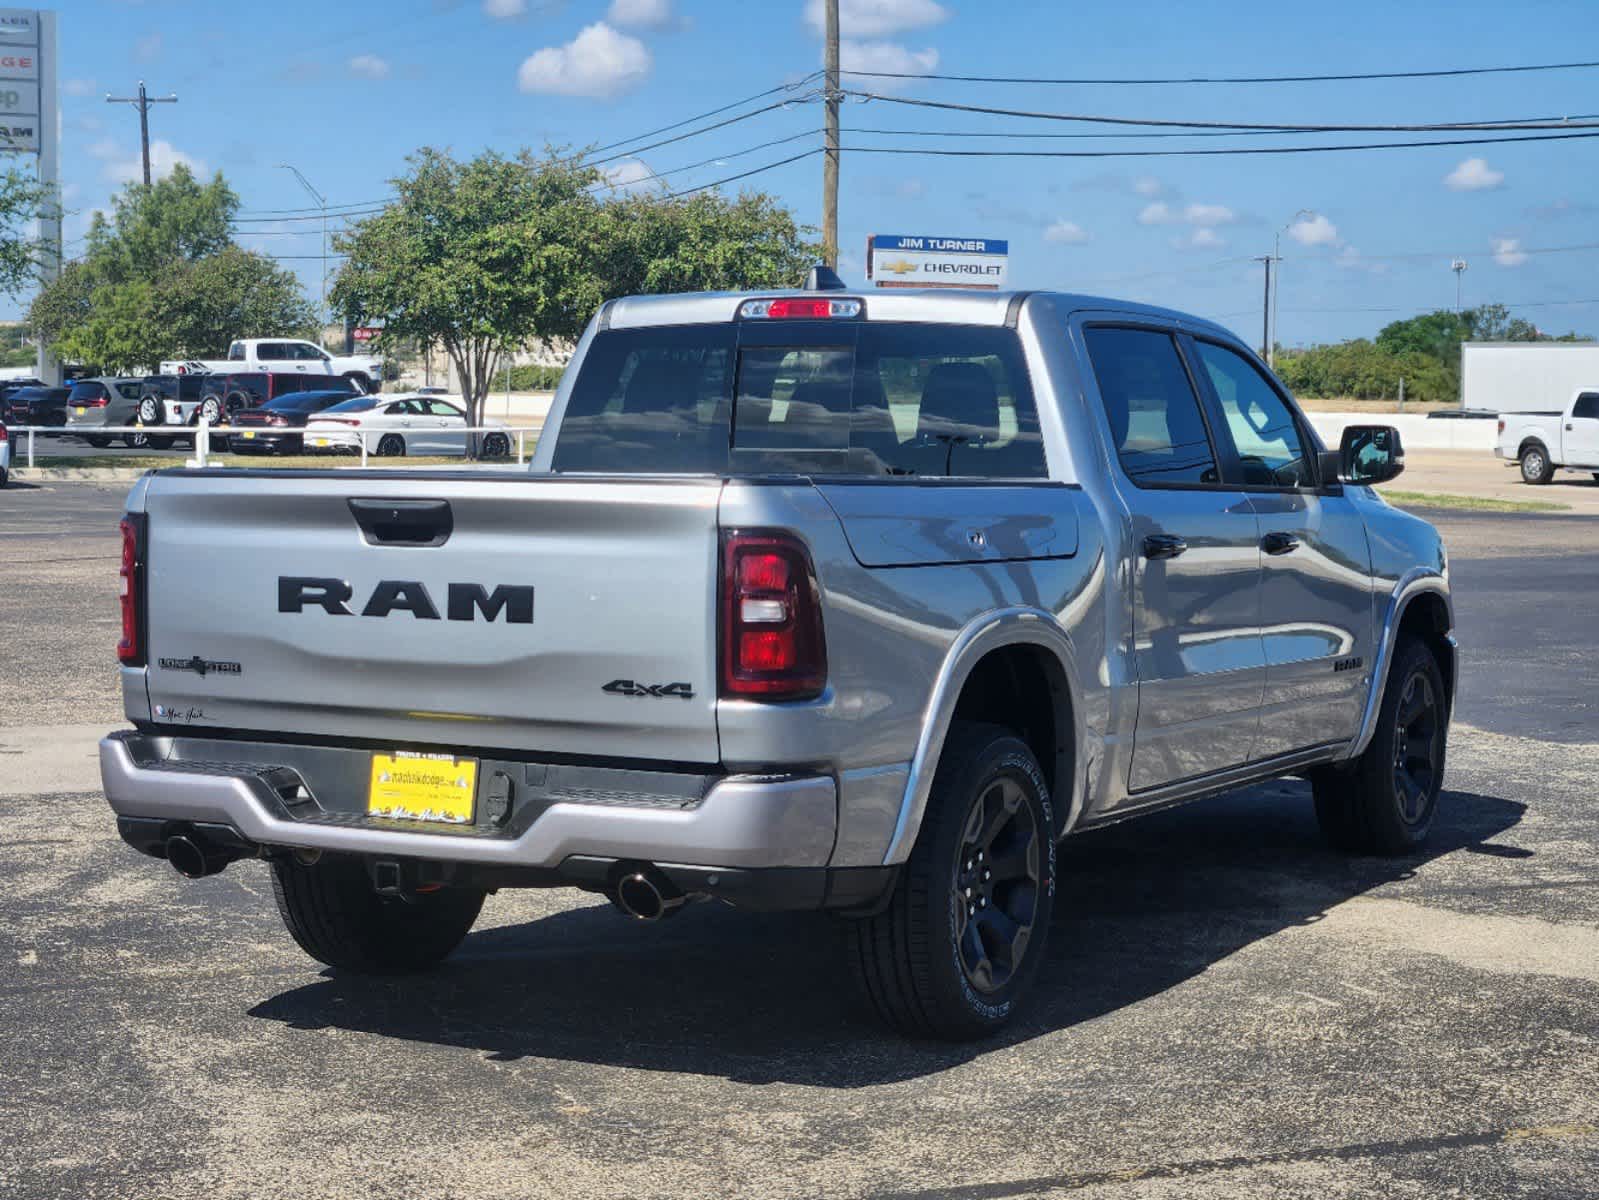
(1525, 376)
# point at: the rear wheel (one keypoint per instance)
(1385, 802)
(1535, 465)
(497, 445)
(135, 441)
(391, 445)
(332, 911)
(962, 937)
(98, 440)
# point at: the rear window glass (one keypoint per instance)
(829, 398)
(86, 391)
(359, 404)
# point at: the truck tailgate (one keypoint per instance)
(561, 616)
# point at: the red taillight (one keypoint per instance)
(771, 619)
(799, 308)
(1501, 427)
(130, 649)
(3, 434)
(90, 402)
(337, 421)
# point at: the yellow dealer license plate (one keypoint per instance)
(249, 433)
(319, 441)
(422, 787)
(82, 411)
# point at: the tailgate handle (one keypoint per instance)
(404, 522)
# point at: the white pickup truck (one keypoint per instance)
(1543, 442)
(285, 354)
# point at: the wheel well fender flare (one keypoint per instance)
(1531, 443)
(1414, 584)
(1015, 626)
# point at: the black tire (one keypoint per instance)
(915, 958)
(5, 477)
(1384, 803)
(152, 410)
(391, 445)
(160, 442)
(331, 910)
(98, 440)
(497, 445)
(136, 441)
(210, 410)
(1535, 465)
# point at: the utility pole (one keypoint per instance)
(1459, 268)
(142, 102)
(1277, 284)
(1265, 308)
(321, 203)
(830, 87)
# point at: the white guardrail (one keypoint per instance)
(202, 431)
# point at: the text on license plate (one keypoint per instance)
(319, 441)
(422, 787)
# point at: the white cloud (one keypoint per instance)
(886, 56)
(504, 10)
(147, 48)
(1067, 232)
(1208, 214)
(1202, 238)
(369, 66)
(1508, 252)
(79, 87)
(1158, 213)
(1314, 230)
(643, 14)
(598, 62)
(910, 189)
(163, 157)
(104, 148)
(629, 175)
(1148, 185)
(877, 18)
(1473, 175)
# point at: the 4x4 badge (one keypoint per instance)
(626, 687)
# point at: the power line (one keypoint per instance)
(1194, 153)
(771, 166)
(1278, 127)
(596, 162)
(782, 87)
(1207, 133)
(1445, 254)
(1450, 73)
(717, 159)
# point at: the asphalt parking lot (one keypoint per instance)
(1227, 1010)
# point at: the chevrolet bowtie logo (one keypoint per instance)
(899, 266)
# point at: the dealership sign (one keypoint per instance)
(19, 79)
(896, 261)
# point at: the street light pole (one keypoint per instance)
(1276, 253)
(321, 203)
(1459, 268)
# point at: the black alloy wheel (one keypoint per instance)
(1418, 749)
(391, 445)
(994, 902)
(497, 445)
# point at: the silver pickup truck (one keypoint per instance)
(810, 600)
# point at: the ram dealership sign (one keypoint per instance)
(895, 261)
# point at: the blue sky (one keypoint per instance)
(344, 91)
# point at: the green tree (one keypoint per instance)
(22, 201)
(484, 256)
(162, 278)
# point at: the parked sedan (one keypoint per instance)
(98, 403)
(395, 425)
(275, 427)
(35, 406)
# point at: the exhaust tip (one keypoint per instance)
(646, 895)
(195, 859)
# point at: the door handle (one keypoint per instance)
(1163, 545)
(1568, 426)
(1278, 542)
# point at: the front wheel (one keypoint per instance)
(337, 918)
(211, 409)
(135, 441)
(1385, 802)
(391, 445)
(1535, 465)
(962, 937)
(497, 445)
(98, 440)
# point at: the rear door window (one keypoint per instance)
(1156, 426)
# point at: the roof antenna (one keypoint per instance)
(822, 278)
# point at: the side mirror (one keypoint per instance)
(1369, 454)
